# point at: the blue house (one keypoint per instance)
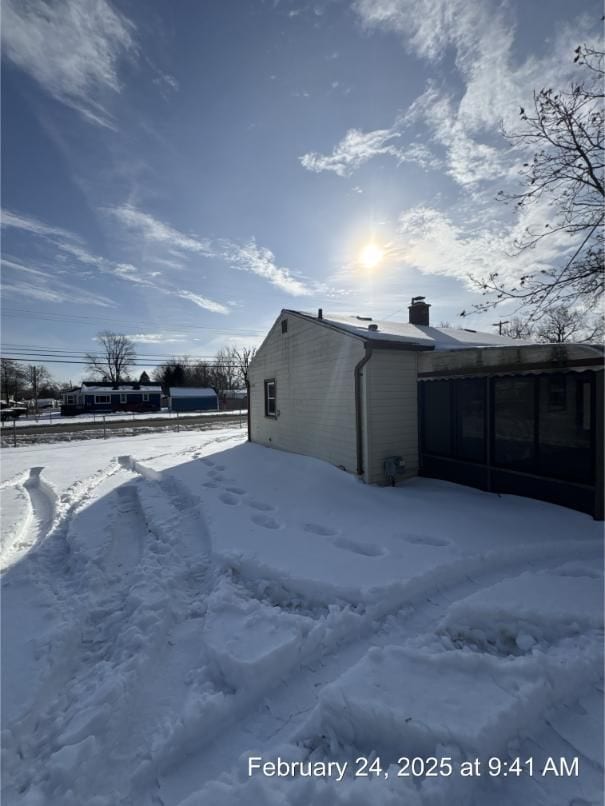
(191, 398)
(103, 397)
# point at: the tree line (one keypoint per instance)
(116, 361)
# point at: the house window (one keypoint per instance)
(270, 399)
(145, 397)
(123, 398)
(69, 398)
(284, 325)
(102, 398)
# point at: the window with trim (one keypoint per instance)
(69, 398)
(123, 398)
(270, 399)
(145, 397)
(102, 398)
(284, 325)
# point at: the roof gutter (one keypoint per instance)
(358, 409)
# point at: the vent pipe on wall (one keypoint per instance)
(320, 313)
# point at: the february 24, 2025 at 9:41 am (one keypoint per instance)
(416, 767)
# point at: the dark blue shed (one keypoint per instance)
(193, 398)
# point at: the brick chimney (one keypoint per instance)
(419, 312)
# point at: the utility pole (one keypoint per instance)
(499, 325)
(35, 388)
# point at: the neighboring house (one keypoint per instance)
(192, 398)
(386, 400)
(104, 396)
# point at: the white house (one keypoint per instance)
(356, 393)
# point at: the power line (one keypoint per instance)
(80, 354)
(213, 364)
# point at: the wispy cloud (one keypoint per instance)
(203, 302)
(69, 244)
(33, 225)
(157, 231)
(358, 147)
(433, 242)
(45, 286)
(72, 48)
(245, 257)
(496, 83)
(261, 261)
(158, 338)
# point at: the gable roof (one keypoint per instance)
(108, 389)
(191, 391)
(403, 334)
(121, 384)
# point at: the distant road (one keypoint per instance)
(28, 435)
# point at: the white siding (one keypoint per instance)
(391, 416)
(313, 368)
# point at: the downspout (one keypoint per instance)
(248, 415)
(358, 409)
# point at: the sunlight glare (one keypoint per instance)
(371, 255)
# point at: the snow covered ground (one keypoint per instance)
(180, 609)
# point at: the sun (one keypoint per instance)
(371, 255)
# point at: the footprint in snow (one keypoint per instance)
(319, 529)
(266, 521)
(211, 484)
(365, 549)
(236, 490)
(227, 498)
(425, 540)
(220, 467)
(261, 506)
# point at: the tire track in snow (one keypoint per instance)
(121, 619)
(40, 512)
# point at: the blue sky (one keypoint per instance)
(182, 171)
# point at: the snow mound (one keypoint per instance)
(516, 614)
(249, 640)
(399, 701)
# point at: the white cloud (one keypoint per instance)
(247, 257)
(358, 147)
(496, 83)
(46, 287)
(154, 230)
(33, 225)
(157, 338)
(261, 261)
(434, 243)
(203, 302)
(70, 244)
(72, 48)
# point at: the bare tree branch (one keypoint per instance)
(117, 357)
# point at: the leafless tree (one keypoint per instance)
(242, 358)
(37, 376)
(517, 328)
(556, 326)
(564, 325)
(116, 359)
(12, 378)
(564, 134)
